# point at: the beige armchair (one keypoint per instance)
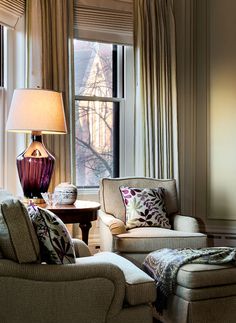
(94, 289)
(136, 243)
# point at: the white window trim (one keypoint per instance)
(14, 74)
(126, 124)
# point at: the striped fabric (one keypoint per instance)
(155, 99)
(108, 21)
(11, 11)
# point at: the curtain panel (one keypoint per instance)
(155, 89)
(49, 27)
(11, 11)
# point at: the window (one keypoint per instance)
(1, 56)
(98, 94)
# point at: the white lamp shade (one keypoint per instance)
(36, 110)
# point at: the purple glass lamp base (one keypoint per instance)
(35, 167)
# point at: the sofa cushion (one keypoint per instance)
(147, 239)
(144, 207)
(139, 288)
(55, 241)
(18, 239)
(111, 199)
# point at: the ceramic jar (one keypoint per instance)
(67, 192)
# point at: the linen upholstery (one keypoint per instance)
(136, 243)
(116, 226)
(111, 199)
(204, 293)
(149, 239)
(139, 288)
(81, 249)
(94, 289)
(18, 240)
(202, 275)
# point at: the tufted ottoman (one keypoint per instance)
(203, 294)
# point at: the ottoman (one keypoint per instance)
(203, 294)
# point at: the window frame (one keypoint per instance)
(118, 103)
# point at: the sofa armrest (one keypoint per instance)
(67, 287)
(140, 287)
(81, 249)
(185, 223)
(116, 226)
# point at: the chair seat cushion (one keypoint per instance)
(201, 281)
(140, 288)
(147, 239)
(202, 275)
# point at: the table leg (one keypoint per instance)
(85, 227)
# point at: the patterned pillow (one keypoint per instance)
(144, 207)
(55, 242)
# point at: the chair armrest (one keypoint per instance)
(81, 249)
(80, 284)
(115, 225)
(185, 223)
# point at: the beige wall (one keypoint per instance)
(206, 80)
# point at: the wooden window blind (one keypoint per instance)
(104, 20)
(11, 11)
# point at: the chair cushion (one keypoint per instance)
(111, 199)
(18, 239)
(202, 281)
(140, 288)
(54, 239)
(144, 207)
(147, 239)
(202, 275)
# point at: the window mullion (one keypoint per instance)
(97, 98)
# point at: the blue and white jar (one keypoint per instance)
(67, 193)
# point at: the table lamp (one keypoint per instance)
(38, 112)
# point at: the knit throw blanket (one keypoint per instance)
(163, 265)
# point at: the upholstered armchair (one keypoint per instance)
(136, 243)
(93, 289)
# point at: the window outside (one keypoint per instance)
(95, 112)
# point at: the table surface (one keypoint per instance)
(79, 205)
(82, 212)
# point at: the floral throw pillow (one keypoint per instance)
(56, 246)
(144, 207)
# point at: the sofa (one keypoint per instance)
(94, 289)
(136, 243)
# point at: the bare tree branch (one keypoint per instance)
(99, 157)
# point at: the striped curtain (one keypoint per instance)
(155, 97)
(49, 27)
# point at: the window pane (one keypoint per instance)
(94, 141)
(93, 68)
